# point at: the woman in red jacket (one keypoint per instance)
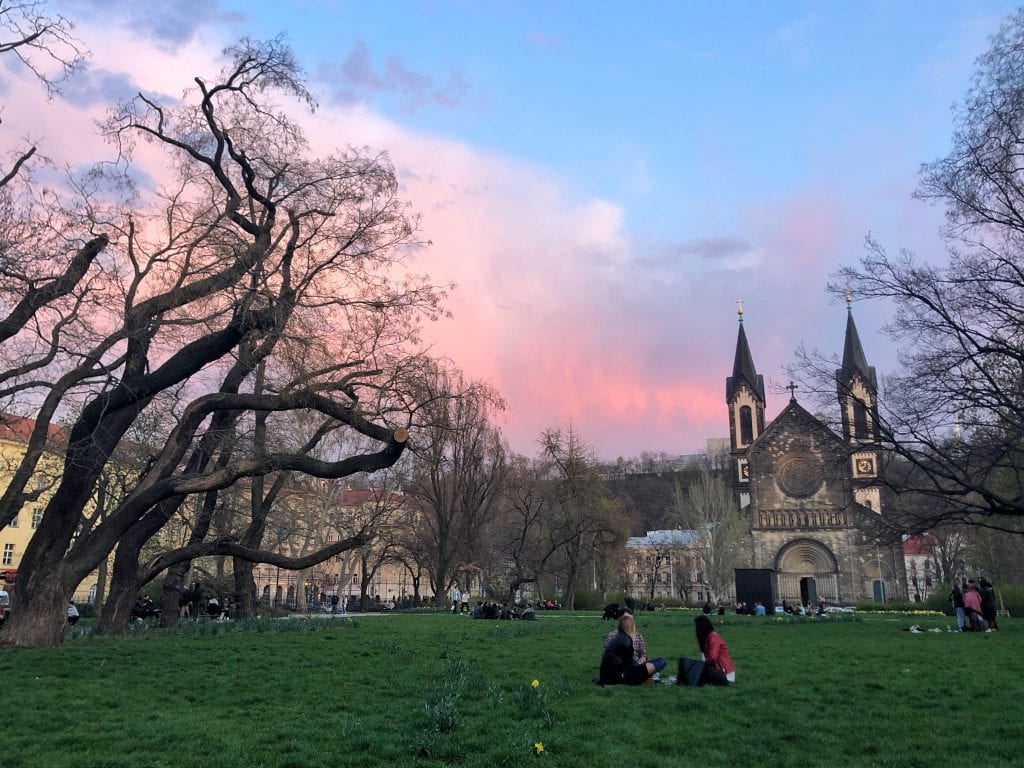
(718, 666)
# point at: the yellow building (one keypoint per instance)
(14, 538)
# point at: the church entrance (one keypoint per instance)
(808, 591)
(807, 573)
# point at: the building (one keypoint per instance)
(662, 564)
(921, 571)
(335, 517)
(812, 497)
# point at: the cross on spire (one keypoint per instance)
(792, 391)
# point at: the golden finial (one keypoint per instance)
(739, 308)
(849, 300)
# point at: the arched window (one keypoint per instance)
(746, 426)
(860, 420)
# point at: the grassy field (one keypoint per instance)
(433, 690)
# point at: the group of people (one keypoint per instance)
(755, 609)
(488, 609)
(625, 662)
(975, 605)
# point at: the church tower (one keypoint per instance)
(744, 394)
(857, 390)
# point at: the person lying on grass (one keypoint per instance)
(618, 663)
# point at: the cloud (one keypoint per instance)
(99, 87)
(543, 39)
(796, 40)
(357, 79)
(169, 23)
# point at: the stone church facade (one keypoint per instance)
(811, 496)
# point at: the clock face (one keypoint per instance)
(866, 466)
(745, 471)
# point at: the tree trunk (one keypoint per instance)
(39, 621)
(170, 598)
(101, 589)
(117, 610)
(245, 590)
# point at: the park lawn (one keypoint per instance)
(433, 690)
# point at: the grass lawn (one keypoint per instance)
(433, 690)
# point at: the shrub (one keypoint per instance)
(592, 600)
(893, 606)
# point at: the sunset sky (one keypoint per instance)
(602, 180)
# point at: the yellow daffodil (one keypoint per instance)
(535, 683)
(538, 747)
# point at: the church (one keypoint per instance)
(812, 497)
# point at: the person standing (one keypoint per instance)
(72, 613)
(988, 603)
(719, 668)
(972, 607)
(956, 598)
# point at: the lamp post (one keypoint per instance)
(881, 579)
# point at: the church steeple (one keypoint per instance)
(857, 387)
(854, 361)
(743, 370)
(744, 393)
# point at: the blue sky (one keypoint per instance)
(603, 180)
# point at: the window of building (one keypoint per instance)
(860, 420)
(8, 558)
(37, 517)
(746, 425)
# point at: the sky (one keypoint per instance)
(601, 180)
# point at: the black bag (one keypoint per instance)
(690, 671)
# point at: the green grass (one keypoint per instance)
(433, 690)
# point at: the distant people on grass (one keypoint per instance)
(72, 613)
(707, 607)
(972, 607)
(620, 664)
(719, 668)
(5, 604)
(988, 603)
(956, 599)
(759, 609)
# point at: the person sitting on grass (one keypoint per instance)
(719, 668)
(619, 663)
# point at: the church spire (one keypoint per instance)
(854, 361)
(743, 367)
(857, 388)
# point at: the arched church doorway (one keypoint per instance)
(808, 591)
(807, 573)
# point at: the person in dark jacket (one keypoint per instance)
(988, 602)
(956, 599)
(618, 666)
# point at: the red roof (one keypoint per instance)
(917, 545)
(19, 429)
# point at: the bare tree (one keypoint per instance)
(709, 510)
(584, 511)
(457, 472)
(254, 251)
(952, 417)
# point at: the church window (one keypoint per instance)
(860, 420)
(746, 425)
